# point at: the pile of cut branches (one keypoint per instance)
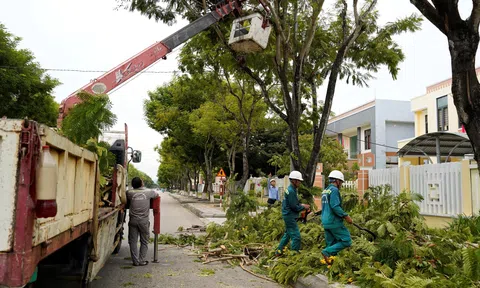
(406, 253)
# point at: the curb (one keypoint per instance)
(201, 214)
(318, 281)
(196, 211)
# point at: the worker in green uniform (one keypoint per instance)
(290, 209)
(337, 235)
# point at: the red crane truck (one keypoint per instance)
(54, 229)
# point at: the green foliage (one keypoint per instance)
(106, 159)
(241, 204)
(134, 172)
(25, 89)
(405, 254)
(89, 118)
(331, 156)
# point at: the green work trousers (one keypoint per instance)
(292, 233)
(337, 239)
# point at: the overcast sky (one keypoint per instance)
(92, 35)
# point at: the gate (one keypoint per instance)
(441, 187)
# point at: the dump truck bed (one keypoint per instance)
(76, 168)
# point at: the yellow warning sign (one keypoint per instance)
(221, 173)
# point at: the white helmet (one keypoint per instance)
(335, 174)
(295, 175)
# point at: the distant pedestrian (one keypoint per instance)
(139, 223)
(272, 191)
(290, 209)
(337, 235)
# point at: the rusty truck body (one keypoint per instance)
(75, 243)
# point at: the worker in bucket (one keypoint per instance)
(139, 223)
(337, 235)
(290, 209)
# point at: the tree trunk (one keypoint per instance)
(246, 170)
(294, 146)
(463, 45)
(189, 181)
(231, 160)
(208, 170)
(195, 179)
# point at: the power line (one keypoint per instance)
(373, 143)
(90, 71)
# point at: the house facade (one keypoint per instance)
(435, 112)
(370, 133)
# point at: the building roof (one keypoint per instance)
(445, 83)
(450, 144)
(352, 111)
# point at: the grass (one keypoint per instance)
(147, 275)
(127, 284)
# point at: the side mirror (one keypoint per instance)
(137, 156)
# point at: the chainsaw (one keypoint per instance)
(307, 215)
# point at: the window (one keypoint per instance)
(426, 124)
(368, 134)
(442, 113)
(353, 147)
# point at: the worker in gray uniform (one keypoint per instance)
(139, 223)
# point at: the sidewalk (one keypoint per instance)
(200, 207)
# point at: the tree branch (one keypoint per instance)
(255, 77)
(343, 14)
(475, 16)
(355, 10)
(430, 13)
(265, 93)
(310, 32)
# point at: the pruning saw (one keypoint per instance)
(307, 215)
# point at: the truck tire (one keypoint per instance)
(120, 221)
(117, 248)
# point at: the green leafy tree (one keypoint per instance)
(173, 171)
(89, 118)
(25, 89)
(168, 111)
(134, 172)
(308, 49)
(332, 155)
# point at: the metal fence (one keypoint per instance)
(441, 187)
(350, 185)
(390, 176)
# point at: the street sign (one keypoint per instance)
(221, 173)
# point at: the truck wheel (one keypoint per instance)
(120, 221)
(117, 248)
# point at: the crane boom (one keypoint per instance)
(128, 69)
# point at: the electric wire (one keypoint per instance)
(372, 143)
(90, 71)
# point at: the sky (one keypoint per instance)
(93, 35)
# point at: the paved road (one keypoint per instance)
(176, 268)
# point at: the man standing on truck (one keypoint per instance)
(139, 222)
